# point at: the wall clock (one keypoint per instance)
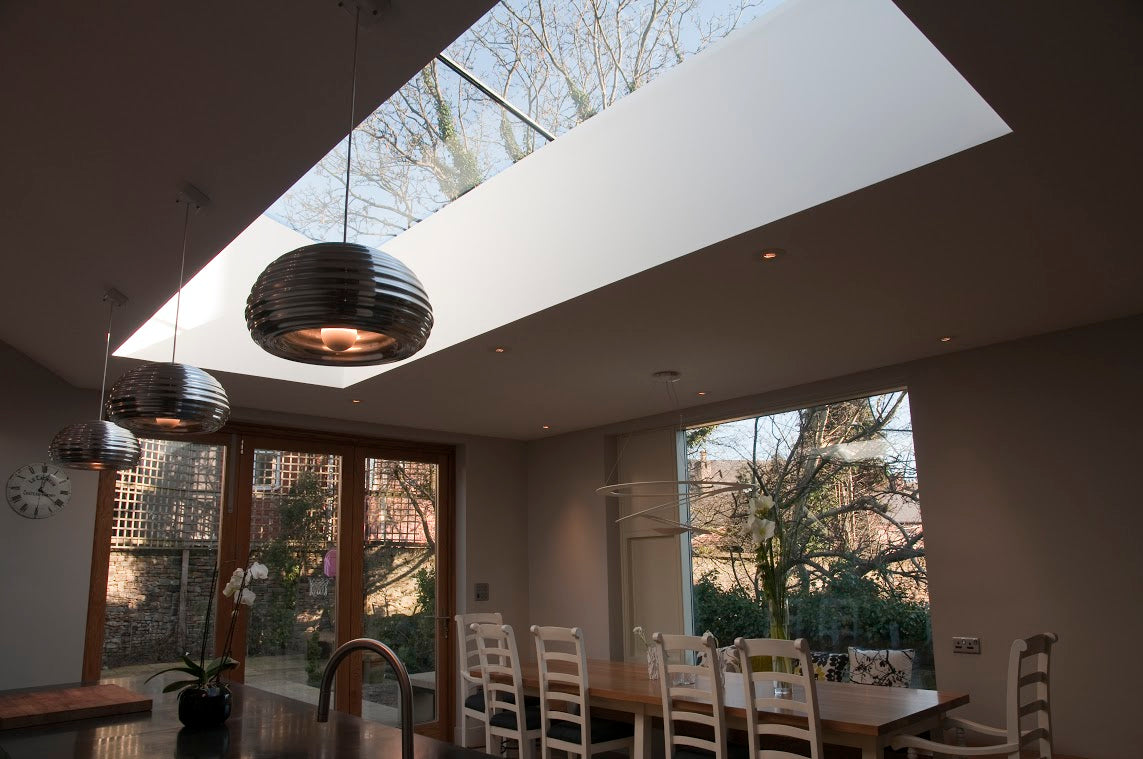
(37, 491)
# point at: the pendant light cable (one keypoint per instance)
(352, 124)
(106, 356)
(182, 272)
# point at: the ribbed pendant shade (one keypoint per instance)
(166, 398)
(94, 445)
(370, 306)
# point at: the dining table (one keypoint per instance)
(860, 716)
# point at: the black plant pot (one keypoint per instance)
(204, 707)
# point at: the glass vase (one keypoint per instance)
(780, 628)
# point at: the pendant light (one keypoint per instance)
(99, 444)
(670, 493)
(170, 398)
(339, 303)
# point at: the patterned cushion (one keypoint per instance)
(882, 666)
(827, 666)
(727, 659)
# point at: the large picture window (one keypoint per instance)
(836, 528)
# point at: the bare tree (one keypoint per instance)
(845, 498)
(437, 137)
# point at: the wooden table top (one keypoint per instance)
(843, 707)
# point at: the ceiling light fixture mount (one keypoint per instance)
(340, 303)
(99, 444)
(171, 397)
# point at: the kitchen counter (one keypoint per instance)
(261, 725)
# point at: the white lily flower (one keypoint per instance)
(247, 597)
(258, 571)
(763, 504)
(761, 529)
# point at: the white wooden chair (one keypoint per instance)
(692, 695)
(471, 689)
(510, 715)
(565, 712)
(1027, 703)
(759, 696)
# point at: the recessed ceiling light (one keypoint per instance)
(769, 254)
(356, 400)
(702, 392)
(499, 349)
(546, 427)
(947, 339)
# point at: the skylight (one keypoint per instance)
(811, 101)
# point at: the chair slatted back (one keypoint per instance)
(758, 688)
(563, 689)
(469, 659)
(500, 670)
(692, 693)
(1029, 712)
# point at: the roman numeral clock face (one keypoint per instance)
(37, 491)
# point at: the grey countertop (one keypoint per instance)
(261, 725)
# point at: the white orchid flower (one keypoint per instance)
(760, 529)
(234, 584)
(258, 571)
(247, 597)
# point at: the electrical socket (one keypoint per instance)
(480, 591)
(963, 645)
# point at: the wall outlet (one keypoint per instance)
(962, 645)
(480, 591)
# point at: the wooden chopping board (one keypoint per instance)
(63, 704)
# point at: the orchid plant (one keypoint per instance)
(205, 675)
(766, 531)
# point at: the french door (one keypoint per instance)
(357, 537)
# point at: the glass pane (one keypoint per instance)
(844, 530)
(293, 531)
(400, 584)
(164, 550)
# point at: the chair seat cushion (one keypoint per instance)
(507, 719)
(476, 701)
(881, 666)
(733, 751)
(602, 731)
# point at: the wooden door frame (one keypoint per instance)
(240, 440)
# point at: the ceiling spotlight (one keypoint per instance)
(947, 339)
(356, 400)
(499, 349)
(702, 392)
(769, 254)
(545, 427)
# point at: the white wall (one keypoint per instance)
(44, 563)
(1026, 454)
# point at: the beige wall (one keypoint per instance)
(1026, 454)
(44, 563)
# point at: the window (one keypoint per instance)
(267, 470)
(843, 539)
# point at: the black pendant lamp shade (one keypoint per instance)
(168, 398)
(339, 304)
(94, 445)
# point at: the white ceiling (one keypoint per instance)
(751, 126)
(1025, 234)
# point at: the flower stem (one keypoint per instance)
(206, 619)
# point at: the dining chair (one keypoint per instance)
(468, 661)
(780, 738)
(1027, 703)
(566, 721)
(509, 714)
(692, 696)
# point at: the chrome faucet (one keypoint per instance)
(403, 684)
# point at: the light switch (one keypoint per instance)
(480, 591)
